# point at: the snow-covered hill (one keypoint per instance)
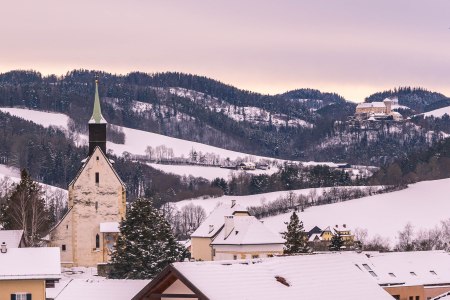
(438, 113)
(423, 204)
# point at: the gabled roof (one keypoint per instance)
(247, 230)
(216, 219)
(11, 238)
(312, 277)
(30, 263)
(93, 289)
(60, 221)
(87, 161)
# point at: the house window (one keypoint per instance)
(97, 158)
(417, 297)
(67, 226)
(21, 296)
(97, 177)
(234, 257)
(411, 297)
(97, 241)
(255, 256)
(63, 247)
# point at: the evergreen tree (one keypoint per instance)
(25, 210)
(295, 236)
(145, 245)
(336, 242)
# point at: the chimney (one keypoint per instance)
(211, 228)
(345, 225)
(233, 203)
(337, 226)
(3, 248)
(229, 225)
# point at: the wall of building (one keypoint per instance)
(62, 235)
(434, 291)
(177, 288)
(201, 248)
(35, 287)
(407, 291)
(229, 252)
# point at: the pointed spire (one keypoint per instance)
(97, 116)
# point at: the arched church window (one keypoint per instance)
(97, 241)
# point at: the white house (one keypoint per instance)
(245, 237)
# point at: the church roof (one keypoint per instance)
(97, 117)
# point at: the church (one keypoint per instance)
(96, 203)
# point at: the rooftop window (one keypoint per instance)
(392, 275)
(413, 273)
(373, 273)
(433, 272)
(367, 267)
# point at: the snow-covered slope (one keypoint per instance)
(209, 173)
(136, 141)
(424, 204)
(438, 113)
(45, 119)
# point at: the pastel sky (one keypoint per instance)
(352, 47)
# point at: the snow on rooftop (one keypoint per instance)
(109, 227)
(11, 238)
(94, 289)
(383, 214)
(312, 277)
(215, 220)
(370, 104)
(247, 230)
(30, 263)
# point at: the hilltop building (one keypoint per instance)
(378, 110)
(97, 203)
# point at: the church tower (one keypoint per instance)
(97, 126)
(96, 202)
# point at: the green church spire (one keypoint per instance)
(97, 116)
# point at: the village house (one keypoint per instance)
(245, 237)
(12, 238)
(378, 110)
(229, 232)
(312, 277)
(202, 237)
(97, 203)
(319, 239)
(418, 275)
(25, 273)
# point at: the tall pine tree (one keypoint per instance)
(145, 245)
(25, 209)
(295, 236)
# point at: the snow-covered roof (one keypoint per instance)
(444, 296)
(94, 289)
(11, 238)
(371, 104)
(406, 268)
(247, 230)
(109, 227)
(314, 236)
(214, 222)
(30, 263)
(311, 277)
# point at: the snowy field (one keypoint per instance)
(136, 141)
(424, 204)
(250, 200)
(438, 113)
(209, 173)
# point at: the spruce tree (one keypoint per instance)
(295, 236)
(336, 242)
(25, 210)
(145, 244)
